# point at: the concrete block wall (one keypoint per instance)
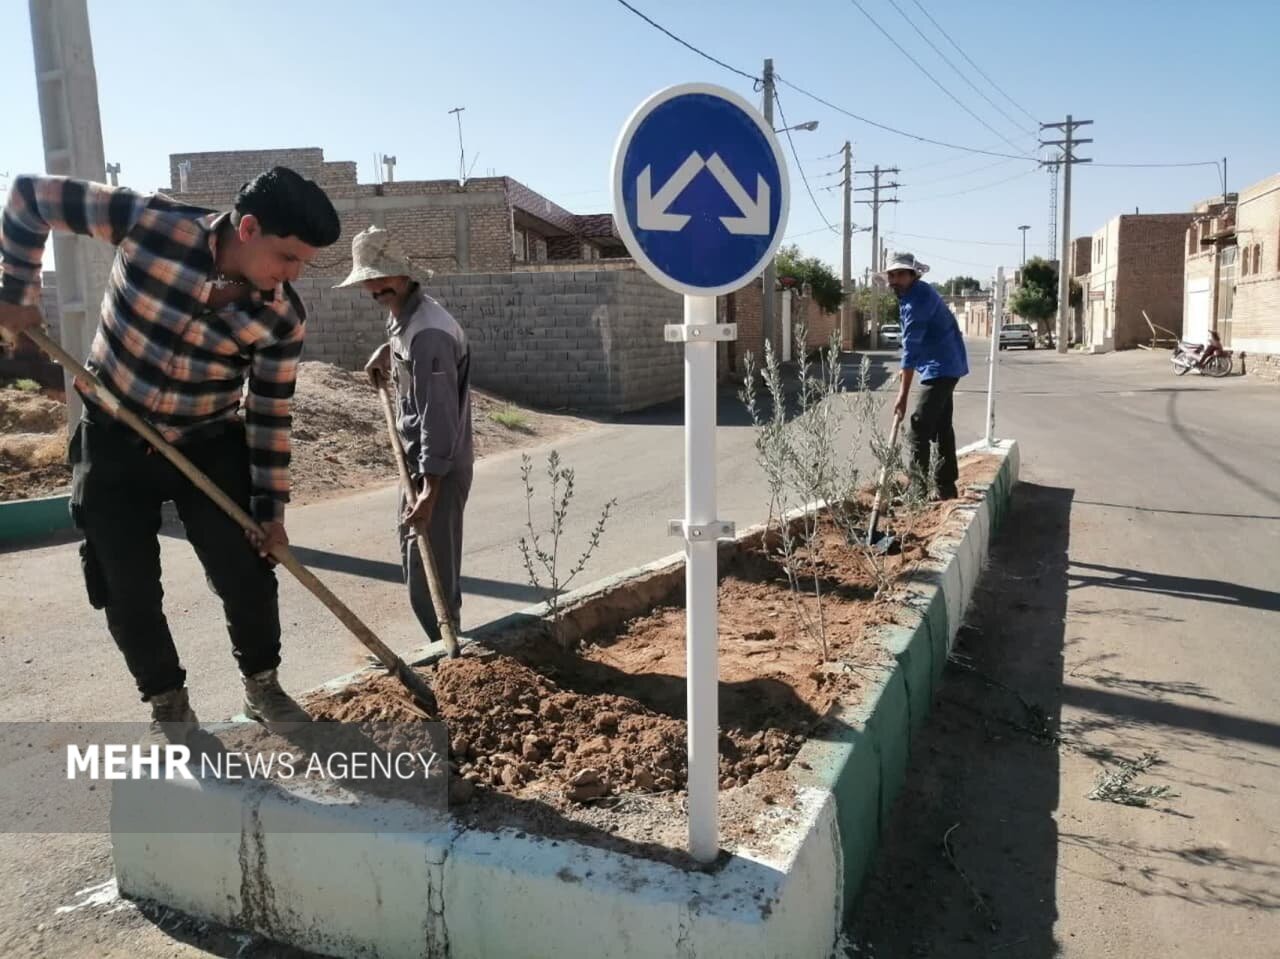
(343, 326)
(589, 340)
(1151, 261)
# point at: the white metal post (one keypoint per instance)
(997, 320)
(702, 633)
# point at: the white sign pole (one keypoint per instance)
(997, 320)
(701, 574)
(701, 254)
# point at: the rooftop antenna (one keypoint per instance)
(462, 154)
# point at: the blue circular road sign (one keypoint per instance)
(700, 190)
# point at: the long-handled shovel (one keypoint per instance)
(447, 632)
(394, 664)
(884, 479)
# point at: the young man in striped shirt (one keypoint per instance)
(197, 303)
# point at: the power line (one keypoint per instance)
(796, 236)
(817, 99)
(985, 186)
(1215, 163)
(901, 49)
(924, 255)
(948, 239)
(803, 176)
(974, 65)
(902, 133)
(689, 46)
(957, 176)
(963, 76)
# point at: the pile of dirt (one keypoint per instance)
(339, 433)
(568, 732)
(338, 442)
(33, 445)
(339, 437)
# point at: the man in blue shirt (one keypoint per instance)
(933, 347)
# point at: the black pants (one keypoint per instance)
(118, 486)
(933, 422)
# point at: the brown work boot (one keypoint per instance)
(172, 719)
(266, 702)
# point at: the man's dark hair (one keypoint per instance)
(288, 204)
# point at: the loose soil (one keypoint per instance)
(339, 440)
(592, 742)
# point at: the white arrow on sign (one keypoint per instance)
(651, 208)
(755, 213)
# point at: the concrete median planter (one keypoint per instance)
(366, 879)
(24, 520)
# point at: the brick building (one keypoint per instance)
(746, 308)
(490, 224)
(1255, 321)
(1210, 270)
(973, 311)
(1137, 264)
(1080, 263)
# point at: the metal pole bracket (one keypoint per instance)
(700, 332)
(701, 533)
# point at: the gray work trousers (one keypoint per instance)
(445, 538)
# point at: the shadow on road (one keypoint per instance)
(391, 573)
(1182, 587)
(1184, 434)
(967, 868)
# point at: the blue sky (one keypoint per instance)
(548, 85)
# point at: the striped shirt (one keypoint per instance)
(159, 348)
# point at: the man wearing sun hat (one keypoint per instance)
(428, 361)
(932, 346)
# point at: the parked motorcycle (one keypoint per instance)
(1186, 357)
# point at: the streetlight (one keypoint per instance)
(809, 127)
(1024, 230)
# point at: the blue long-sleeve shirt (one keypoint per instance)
(931, 341)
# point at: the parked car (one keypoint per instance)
(1017, 334)
(891, 337)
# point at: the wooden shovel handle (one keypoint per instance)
(447, 632)
(281, 553)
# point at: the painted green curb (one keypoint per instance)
(863, 760)
(28, 519)
(860, 753)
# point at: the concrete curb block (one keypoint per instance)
(869, 753)
(360, 877)
(30, 519)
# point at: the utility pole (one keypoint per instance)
(1024, 230)
(1068, 160)
(113, 171)
(770, 278)
(877, 254)
(462, 154)
(1053, 209)
(67, 86)
(846, 276)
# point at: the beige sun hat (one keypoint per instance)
(375, 254)
(905, 261)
